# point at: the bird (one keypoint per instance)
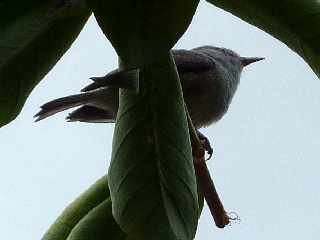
(209, 78)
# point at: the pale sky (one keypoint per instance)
(266, 162)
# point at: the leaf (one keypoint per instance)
(98, 224)
(200, 198)
(151, 176)
(141, 30)
(77, 210)
(294, 22)
(33, 37)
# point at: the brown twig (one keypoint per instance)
(207, 187)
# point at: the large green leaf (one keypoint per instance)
(98, 224)
(151, 176)
(294, 22)
(33, 37)
(141, 30)
(77, 210)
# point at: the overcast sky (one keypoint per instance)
(266, 162)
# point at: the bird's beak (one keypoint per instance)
(246, 61)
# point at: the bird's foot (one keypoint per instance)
(206, 144)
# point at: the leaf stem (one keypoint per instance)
(205, 181)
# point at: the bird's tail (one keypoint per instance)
(61, 104)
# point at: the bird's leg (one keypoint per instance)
(206, 143)
(205, 182)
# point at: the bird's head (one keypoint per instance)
(229, 64)
(229, 58)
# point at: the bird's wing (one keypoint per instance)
(91, 114)
(92, 86)
(115, 79)
(97, 82)
(189, 61)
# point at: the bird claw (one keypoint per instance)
(206, 144)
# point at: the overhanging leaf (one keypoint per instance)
(33, 37)
(79, 208)
(294, 22)
(151, 176)
(200, 198)
(141, 30)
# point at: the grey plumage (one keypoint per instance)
(209, 78)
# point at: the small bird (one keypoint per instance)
(209, 77)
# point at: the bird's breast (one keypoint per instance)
(207, 100)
